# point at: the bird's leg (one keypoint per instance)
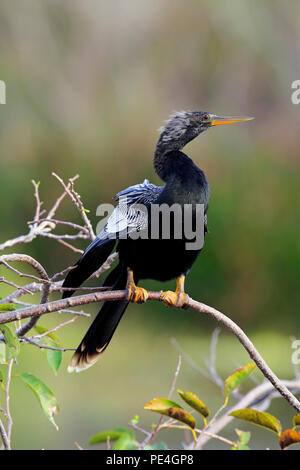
(178, 298)
(135, 293)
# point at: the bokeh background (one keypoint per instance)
(88, 83)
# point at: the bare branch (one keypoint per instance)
(45, 289)
(56, 305)
(76, 199)
(42, 346)
(38, 203)
(175, 377)
(59, 200)
(8, 415)
(12, 284)
(4, 437)
(68, 245)
(81, 228)
(150, 436)
(57, 327)
(43, 227)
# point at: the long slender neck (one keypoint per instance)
(170, 143)
(162, 163)
(185, 182)
(169, 163)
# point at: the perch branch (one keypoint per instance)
(41, 309)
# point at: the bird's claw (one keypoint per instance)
(137, 294)
(175, 299)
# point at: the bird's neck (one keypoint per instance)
(168, 159)
(185, 182)
(171, 163)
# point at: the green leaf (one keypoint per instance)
(41, 330)
(135, 419)
(171, 409)
(44, 395)
(125, 442)
(11, 340)
(161, 404)
(244, 438)
(113, 434)
(2, 353)
(296, 420)
(159, 446)
(7, 307)
(263, 419)
(19, 306)
(102, 436)
(195, 402)
(234, 380)
(54, 357)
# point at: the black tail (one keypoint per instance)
(93, 257)
(103, 327)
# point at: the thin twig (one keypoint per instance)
(6, 443)
(16, 271)
(189, 360)
(42, 346)
(80, 228)
(42, 227)
(75, 198)
(78, 446)
(12, 284)
(57, 327)
(211, 364)
(68, 245)
(7, 396)
(175, 377)
(38, 203)
(150, 437)
(59, 200)
(45, 289)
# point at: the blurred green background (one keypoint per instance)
(88, 83)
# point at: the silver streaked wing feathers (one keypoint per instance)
(131, 214)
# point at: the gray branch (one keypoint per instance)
(49, 307)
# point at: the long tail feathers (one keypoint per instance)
(93, 257)
(103, 327)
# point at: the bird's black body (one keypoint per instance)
(159, 259)
(166, 259)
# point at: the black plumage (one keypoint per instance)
(147, 257)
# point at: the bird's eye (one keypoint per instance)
(205, 117)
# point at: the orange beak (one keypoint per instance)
(218, 121)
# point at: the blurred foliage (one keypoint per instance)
(88, 83)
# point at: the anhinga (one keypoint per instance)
(140, 258)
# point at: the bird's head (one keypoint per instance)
(184, 126)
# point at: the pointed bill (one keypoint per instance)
(219, 120)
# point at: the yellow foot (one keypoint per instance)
(134, 293)
(137, 294)
(178, 298)
(175, 299)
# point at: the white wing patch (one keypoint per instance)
(131, 213)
